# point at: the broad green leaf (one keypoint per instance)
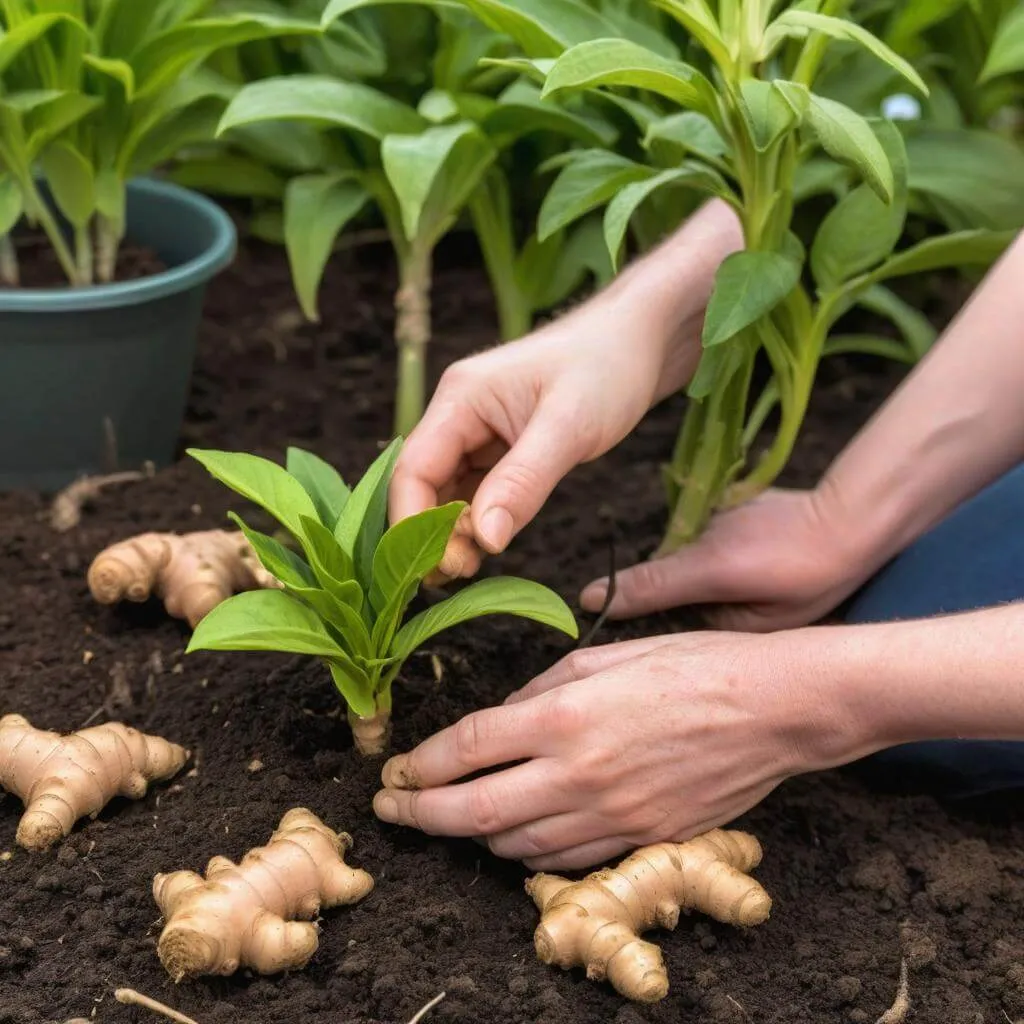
(261, 481)
(168, 54)
(501, 596)
(1007, 53)
(316, 209)
(747, 286)
(324, 100)
(24, 34)
(11, 203)
(409, 551)
(713, 370)
(264, 620)
(520, 111)
(629, 199)
(590, 180)
(766, 111)
(72, 181)
(323, 484)
(434, 173)
(355, 686)
(230, 174)
(962, 249)
(796, 22)
(166, 138)
(699, 20)
(609, 62)
(282, 563)
(820, 177)
(690, 132)
(848, 137)
(861, 230)
(330, 562)
(47, 120)
(361, 525)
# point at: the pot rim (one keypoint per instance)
(196, 271)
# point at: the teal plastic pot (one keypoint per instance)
(87, 370)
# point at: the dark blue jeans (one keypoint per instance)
(974, 559)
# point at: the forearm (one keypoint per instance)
(955, 425)
(868, 687)
(665, 293)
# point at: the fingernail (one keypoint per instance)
(594, 595)
(496, 529)
(385, 807)
(397, 773)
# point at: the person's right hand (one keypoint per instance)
(783, 560)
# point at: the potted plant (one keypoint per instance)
(97, 338)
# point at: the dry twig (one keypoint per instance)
(66, 510)
(426, 1009)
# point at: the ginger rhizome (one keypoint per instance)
(260, 913)
(597, 922)
(63, 778)
(191, 574)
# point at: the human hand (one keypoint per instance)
(505, 426)
(621, 746)
(783, 560)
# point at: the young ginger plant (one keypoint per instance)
(345, 601)
(597, 922)
(64, 778)
(260, 913)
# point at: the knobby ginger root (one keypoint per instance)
(597, 922)
(64, 778)
(258, 914)
(192, 574)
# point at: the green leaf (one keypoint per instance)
(230, 174)
(520, 111)
(962, 249)
(766, 111)
(323, 483)
(629, 199)
(409, 551)
(316, 209)
(282, 563)
(355, 686)
(604, 62)
(11, 203)
(264, 620)
(331, 562)
(118, 70)
(748, 285)
(690, 132)
(590, 180)
(699, 20)
(917, 330)
(167, 55)
(361, 525)
(910, 18)
(71, 180)
(848, 137)
(261, 481)
(500, 596)
(324, 100)
(868, 345)
(434, 173)
(24, 34)
(51, 118)
(861, 230)
(795, 22)
(1007, 52)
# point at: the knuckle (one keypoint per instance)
(484, 814)
(578, 664)
(565, 713)
(643, 580)
(457, 376)
(467, 738)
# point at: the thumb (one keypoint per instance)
(514, 491)
(690, 576)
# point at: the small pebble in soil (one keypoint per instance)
(845, 990)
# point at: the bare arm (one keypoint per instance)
(955, 425)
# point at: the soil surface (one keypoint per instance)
(38, 266)
(860, 880)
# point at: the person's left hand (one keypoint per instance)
(621, 746)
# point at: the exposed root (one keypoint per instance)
(66, 509)
(426, 1009)
(129, 997)
(897, 1013)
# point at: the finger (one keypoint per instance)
(691, 576)
(433, 454)
(514, 491)
(462, 558)
(493, 803)
(483, 739)
(584, 663)
(587, 855)
(548, 836)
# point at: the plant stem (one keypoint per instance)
(83, 254)
(371, 735)
(9, 274)
(412, 335)
(107, 242)
(53, 232)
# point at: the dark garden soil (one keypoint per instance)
(39, 268)
(859, 880)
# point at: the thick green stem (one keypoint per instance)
(9, 274)
(52, 230)
(108, 240)
(83, 254)
(412, 335)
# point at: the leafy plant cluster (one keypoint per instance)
(93, 93)
(344, 598)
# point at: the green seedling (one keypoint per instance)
(345, 598)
